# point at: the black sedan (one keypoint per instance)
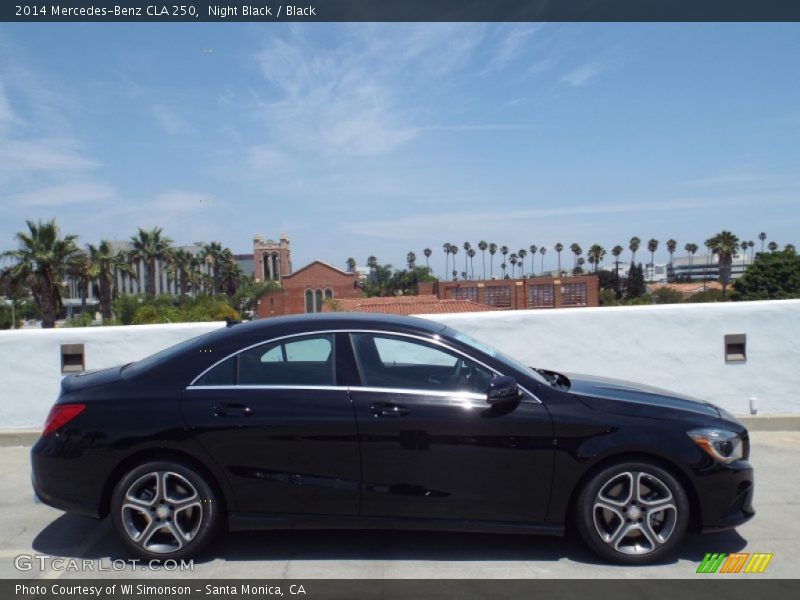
(366, 421)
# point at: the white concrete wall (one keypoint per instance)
(679, 347)
(30, 361)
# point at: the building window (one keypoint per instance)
(309, 301)
(328, 294)
(574, 294)
(318, 301)
(541, 296)
(498, 296)
(464, 293)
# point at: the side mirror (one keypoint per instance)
(502, 389)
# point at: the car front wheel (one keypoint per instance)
(165, 510)
(632, 513)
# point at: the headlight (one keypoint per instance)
(723, 445)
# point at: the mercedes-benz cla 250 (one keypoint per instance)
(366, 421)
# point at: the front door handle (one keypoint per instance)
(232, 409)
(389, 409)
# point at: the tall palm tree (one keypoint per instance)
(634, 246)
(762, 236)
(372, 262)
(652, 246)
(542, 251)
(513, 260)
(534, 249)
(617, 251)
(454, 251)
(471, 253)
(427, 252)
(672, 245)
(411, 259)
(351, 264)
(724, 245)
(691, 248)
(504, 252)
(482, 246)
(772, 246)
(522, 253)
(577, 251)
(579, 265)
(467, 248)
(503, 266)
(82, 271)
(213, 254)
(107, 264)
(558, 248)
(751, 243)
(149, 247)
(230, 275)
(182, 270)
(492, 252)
(744, 246)
(41, 263)
(596, 255)
(446, 248)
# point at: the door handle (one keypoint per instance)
(388, 409)
(224, 409)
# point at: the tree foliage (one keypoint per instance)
(772, 276)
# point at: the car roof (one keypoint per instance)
(349, 320)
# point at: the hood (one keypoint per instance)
(87, 379)
(624, 397)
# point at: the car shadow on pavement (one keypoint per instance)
(77, 537)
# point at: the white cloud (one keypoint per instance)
(79, 192)
(583, 74)
(45, 154)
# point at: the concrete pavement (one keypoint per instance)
(35, 529)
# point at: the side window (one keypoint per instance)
(223, 374)
(307, 361)
(396, 362)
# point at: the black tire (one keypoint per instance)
(183, 517)
(603, 520)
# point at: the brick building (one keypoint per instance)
(514, 294)
(307, 289)
(425, 304)
(271, 260)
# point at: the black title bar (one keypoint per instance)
(400, 10)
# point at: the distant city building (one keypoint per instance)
(656, 273)
(704, 267)
(423, 304)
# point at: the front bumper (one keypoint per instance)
(726, 496)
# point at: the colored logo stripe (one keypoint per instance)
(737, 562)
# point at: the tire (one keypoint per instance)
(165, 510)
(626, 527)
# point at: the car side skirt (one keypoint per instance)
(251, 522)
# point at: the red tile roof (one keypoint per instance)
(425, 304)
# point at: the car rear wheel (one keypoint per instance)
(632, 513)
(165, 510)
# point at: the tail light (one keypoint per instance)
(60, 415)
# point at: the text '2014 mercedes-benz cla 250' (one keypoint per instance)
(367, 421)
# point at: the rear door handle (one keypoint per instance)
(389, 409)
(232, 409)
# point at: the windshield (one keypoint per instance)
(494, 353)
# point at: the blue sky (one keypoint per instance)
(359, 139)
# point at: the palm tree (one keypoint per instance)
(467, 248)
(558, 248)
(596, 255)
(513, 260)
(652, 246)
(691, 248)
(542, 251)
(471, 253)
(772, 246)
(579, 265)
(482, 246)
(522, 253)
(427, 252)
(492, 251)
(351, 264)
(762, 236)
(504, 252)
(617, 251)
(744, 246)
(81, 270)
(411, 259)
(672, 245)
(446, 248)
(534, 249)
(503, 266)
(212, 253)
(577, 251)
(106, 264)
(182, 270)
(454, 251)
(634, 246)
(372, 262)
(149, 247)
(41, 264)
(724, 245)
(751, 243)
